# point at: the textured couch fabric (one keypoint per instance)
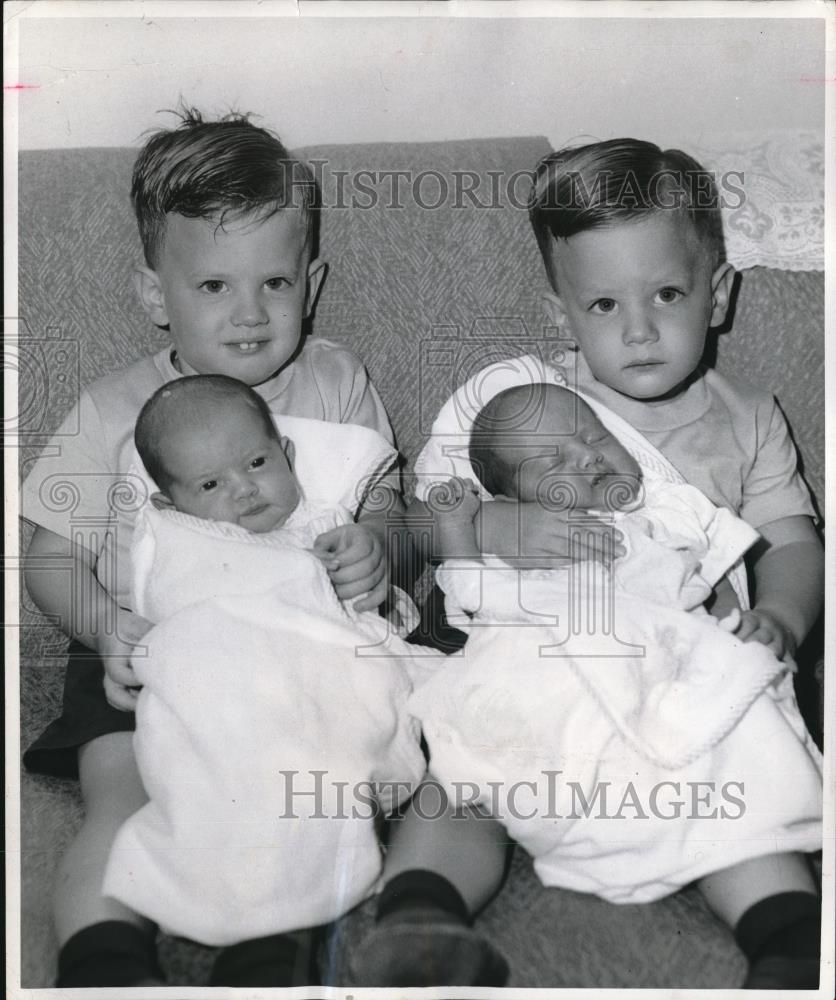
(425, 296)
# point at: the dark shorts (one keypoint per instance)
(86, 715)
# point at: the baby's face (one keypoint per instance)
(639, 298)
(228, 468)
(234, 297)
(570, 460)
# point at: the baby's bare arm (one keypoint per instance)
(61, 578)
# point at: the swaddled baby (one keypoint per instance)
(266, 701)
(541, 443)
(591, 702)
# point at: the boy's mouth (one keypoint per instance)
(246, 346)
(648, 363)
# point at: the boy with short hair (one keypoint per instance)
(228, 226)
(631, 237)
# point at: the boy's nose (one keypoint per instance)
(249, 311)
(640, 328)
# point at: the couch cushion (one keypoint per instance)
(426, 295)
(776, 340)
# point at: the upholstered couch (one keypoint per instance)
(424, 295)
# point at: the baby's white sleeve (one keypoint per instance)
(683, 517)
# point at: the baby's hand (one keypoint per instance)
(454, 498)
(120, 682)
(356, 564)
(759, 625)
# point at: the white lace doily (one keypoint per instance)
(779, 220)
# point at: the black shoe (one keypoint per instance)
(277, 960)
(425, 946)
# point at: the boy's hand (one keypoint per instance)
(454, 505)
(456, 497)
(120, 682)
(354, 558)
(760, 625)
(545, 534)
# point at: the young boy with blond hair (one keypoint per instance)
(228, 226)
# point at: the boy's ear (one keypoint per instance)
(150, 292)
(161, 502)
(721, 287)
(316, 275)
(289, 450)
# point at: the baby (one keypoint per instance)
(223, 464)
(541, 443)
(588, 689)
(294, 722)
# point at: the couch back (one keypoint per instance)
(433, 273)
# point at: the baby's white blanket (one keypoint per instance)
(581, 679)
(673, 683)
(271, 733)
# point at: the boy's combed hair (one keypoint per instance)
(213, 169)
(604, 183)
(173, 403)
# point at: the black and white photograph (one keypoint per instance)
(415, 496)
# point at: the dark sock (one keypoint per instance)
(788, 923)
(277, 960)
(418, 887)
(110, 953)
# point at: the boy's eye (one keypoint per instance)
(603, 306)
(274, 284)
(669, 295)
(258, 462)
(213, 285)
(208, 486)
